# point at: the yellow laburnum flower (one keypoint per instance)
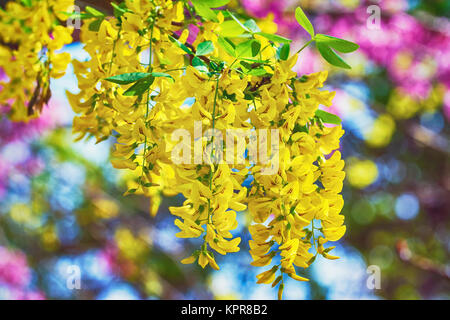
(189, 229)
(297, 277)
(267, 276)
(204, 259)
(264, 260)
(323, 251)
(189, 260)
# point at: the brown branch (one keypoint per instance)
(428, 138)
(420, 262)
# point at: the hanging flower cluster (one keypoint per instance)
(298, 207)
(169, 103)
(31, 33)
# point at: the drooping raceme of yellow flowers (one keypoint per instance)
(170, 104)
(30, 37)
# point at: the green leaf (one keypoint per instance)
(127, 78)
(162, 75)
(283, 51)
(340, 45)
(27, 3)
(254, 60)
(256, 47)
(180, 45)
(274, 37)
(227, 45)
(216, 3)
(77, 15)
(230, 28)
(303, 20)
(246, 65)
(139, 87)
(150, 184)
(252, 26)
(327, 117)
(94, 12)
(95, 25)
(329, 55)
(205, 48)
(198, 64)
(118, 10)
(244, 49)
(204, 10)
(239, 22)
(249, 48)
(257, 72)
(216, 67)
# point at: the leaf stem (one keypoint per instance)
(150, 68)
(114, 48)
(306, 44)
(212, 142)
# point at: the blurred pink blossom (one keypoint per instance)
(15, 276)
(13, 268)
(415, 53)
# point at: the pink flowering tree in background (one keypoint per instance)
(411, 47)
